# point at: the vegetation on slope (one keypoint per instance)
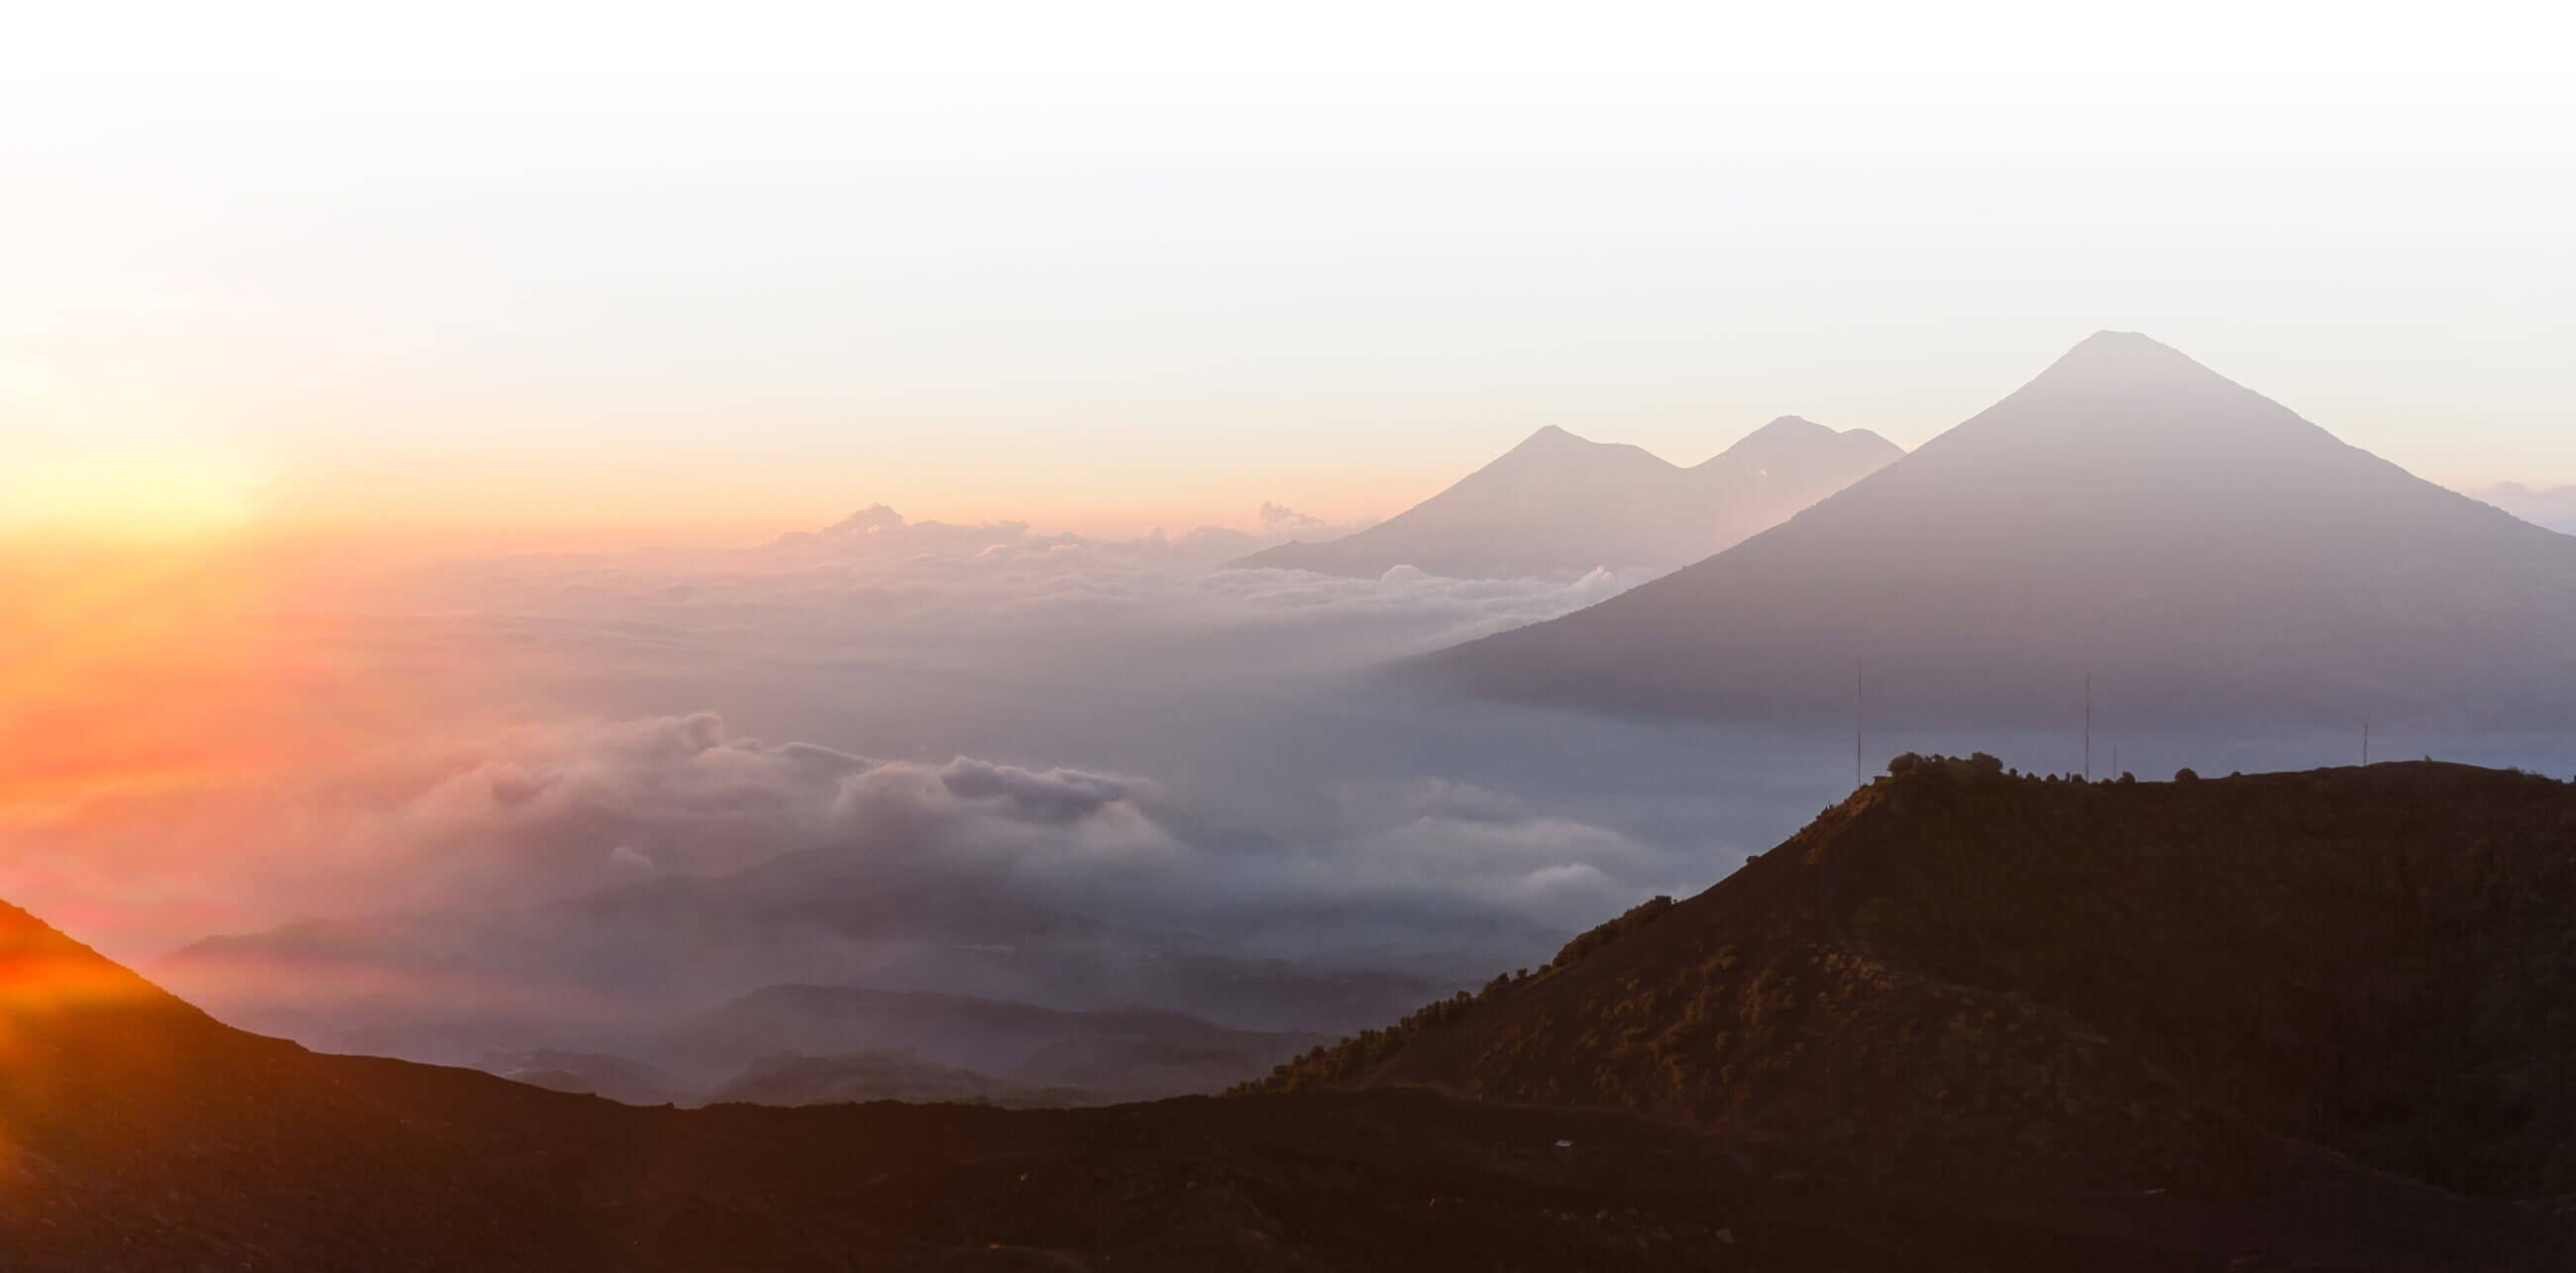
(1356, 1054)
(2118, 984)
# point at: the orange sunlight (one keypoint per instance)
(144, 687)
(126, 667)
(41, 971)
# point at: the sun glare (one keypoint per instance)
(128, 486)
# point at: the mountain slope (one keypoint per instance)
(138, 1134)
(1559, 505)
(2115, 985)
(2202, 552)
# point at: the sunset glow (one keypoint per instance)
(1406, 634)
(123, 486)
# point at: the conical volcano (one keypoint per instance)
(2198, 550)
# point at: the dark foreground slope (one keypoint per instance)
(137, 1133)
(2205, 986)
(2198, 550)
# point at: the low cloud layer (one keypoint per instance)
(552, 813)
(538, 814)
(1132, 729)
(876, 581)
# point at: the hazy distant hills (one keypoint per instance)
(2111, 986)
(805, 1045)
(954, 974)
(1560, 505)
(842, 1036)
(2553, 506)
(2205, 554)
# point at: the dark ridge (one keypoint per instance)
(1952, 1026)
(2128, 985)
(1354, 1056)
(140, 1134)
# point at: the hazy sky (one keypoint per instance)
(714, 272)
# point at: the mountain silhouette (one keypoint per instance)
(1963, 1022)
(2200, 551)
(2203, 987)
(1558, 505)
(136, 1133)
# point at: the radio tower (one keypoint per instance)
(2088, 727)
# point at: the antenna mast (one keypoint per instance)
(1856, 761)
(2088, 727)
(2365, 742)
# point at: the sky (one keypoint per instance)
(400, 414)
(636, 273)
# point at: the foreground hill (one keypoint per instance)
(2203, 553)
(136, 1133)
(1965, 1021)
(1560, 505)
(2190, 986)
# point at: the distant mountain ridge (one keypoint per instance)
(2200, 551)
(2552, 506)
(1561, 505)
(807, 1044)
(698, 979)
(1120, 1053)
(599, 967)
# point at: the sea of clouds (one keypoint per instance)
(1132, 733)
(1132, 729)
